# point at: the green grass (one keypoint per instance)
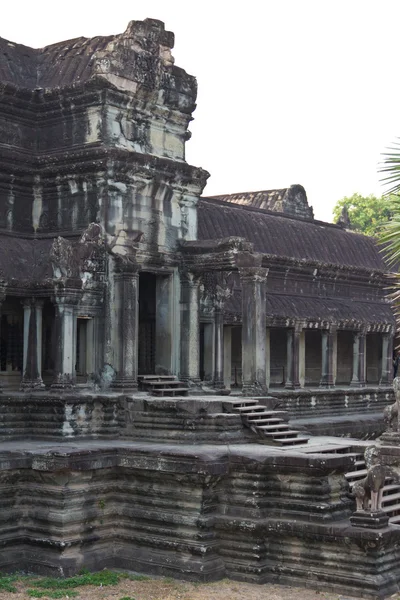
(51, 593)
(127, 598)
(6, 583)
(54, 587)
(101, 578)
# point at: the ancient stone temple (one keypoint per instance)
(131, 306)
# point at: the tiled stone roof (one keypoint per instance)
(285, 236)
(290, 201)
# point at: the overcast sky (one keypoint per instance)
(290, 91)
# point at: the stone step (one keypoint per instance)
(250, 408)
(293, 441)
(172, 384)
(355, 475)
(391, 497)
(278, 435)
(155, 377)
(390, 488)
(169, 392)
(395, 520)
(275, 427)
(392, 508)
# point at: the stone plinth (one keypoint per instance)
(369, 520)
(198, 512)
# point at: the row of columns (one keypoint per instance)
(295, 360)
(66, 304)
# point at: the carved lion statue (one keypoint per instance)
(371, 487)
(391, 412)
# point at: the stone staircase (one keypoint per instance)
(162, 385)
(269, 425)
(391, 491)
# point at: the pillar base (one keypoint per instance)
(218, 385)
(125, 384)
(369, 520)
(390, 438)
(63, 382)
(357, 384)
(30, 385)
(326, 385)
(254, 389)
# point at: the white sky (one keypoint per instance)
(290, 91)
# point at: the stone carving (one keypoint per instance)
(370, 488)
(390, 415)
(78, 260)
(62, 258)
(123, 248)
(391, 412)
(103, 379)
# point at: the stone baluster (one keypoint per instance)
(387, 358)
(328, 358)
(32, 355)
(126, 280)
(359, 362)
(254, 286)
(66, 300)
(190, 329)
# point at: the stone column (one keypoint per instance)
(359, 362)
(254, 286)
(293, 357)
(387, 358)
(32, 352)
(66, 301)
(227, 356)
(218, 345)
(209, 360)
(328, 345)
(190, 329)
(126, 284)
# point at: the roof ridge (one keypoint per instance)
(214, 199)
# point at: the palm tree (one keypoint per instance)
(389, 236)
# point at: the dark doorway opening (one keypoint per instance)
(147, 324)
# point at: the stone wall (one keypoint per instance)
(195, 513)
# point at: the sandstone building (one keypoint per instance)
(114, 267)
(109, 254)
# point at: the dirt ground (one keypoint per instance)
(167, 589)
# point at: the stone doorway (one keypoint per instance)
(155, 348)
(12, 344)
(147, 324)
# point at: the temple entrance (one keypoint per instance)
(313, 357)
(12, 344)
(373, 357)
(147, 324)
(345, 341)
(278, 356)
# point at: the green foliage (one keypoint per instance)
(367, 214)
(51, 594)
(127, 598)
(6, 583)
(100, 578)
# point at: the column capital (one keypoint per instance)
(253, 274)
(67, 294)
(3, 290)
(190, 279)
